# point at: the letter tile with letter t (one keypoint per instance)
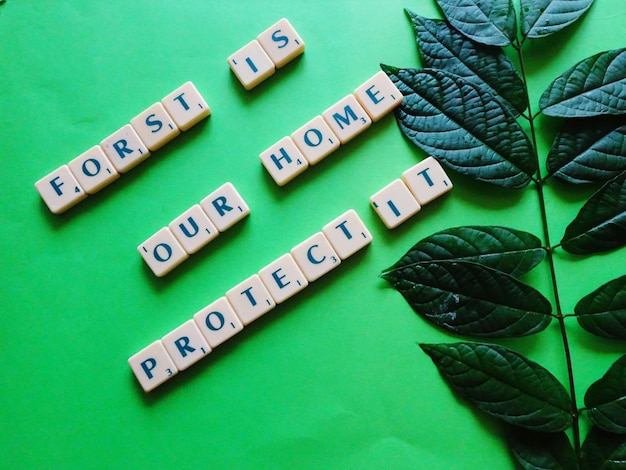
(427, 180)
(347, 234)
(186, 106)
(152, 366)
(250, 299)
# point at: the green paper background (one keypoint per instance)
(334, 377)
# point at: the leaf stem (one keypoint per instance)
(546, 233)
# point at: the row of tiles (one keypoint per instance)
(124, 149)
(249, 300)
(339, 124)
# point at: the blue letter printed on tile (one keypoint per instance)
(60, 190)
(283, 161)
(218, 322)
(225, 207)
(347, 118)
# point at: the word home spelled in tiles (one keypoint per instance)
(272, 49)
(250, 299)
(123, 150)
(193, 229)
(336, 126)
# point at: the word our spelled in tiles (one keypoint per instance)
(250, 299)
(336, 126)
(403, 198)
(124, 149)
(193, 229)
(272, 49)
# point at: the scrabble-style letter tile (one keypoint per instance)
(186, 345)
(427, 180)
(193, 229)
(394, 203)
(155, 127)
(315, 140)
(281, 42)
(93, 170)
(162, 252)
(125, 149)
(186, 106)
(152, 366)
(251, 65)
(283, 161)
(225, 207)
(315, 256)
(60, 190)
(378, 96)
(283, 278)
(347, 234)
(347, 118)
(218, 322)
(250, 299)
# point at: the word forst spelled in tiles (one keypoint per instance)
(336, 126)
(272, 49)
(403, 198)
(123, 150)
(193, 229)
(250, 299)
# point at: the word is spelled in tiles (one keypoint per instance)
(193, 229)
(272, 49)
(336, 126)
(403, 198)
(124, 149)
(280, 280)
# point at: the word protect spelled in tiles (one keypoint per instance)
(251, 299)
(124, 149)
(193, 229)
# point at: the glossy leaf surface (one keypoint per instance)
(606, 399)
(542, 451)
(541, 18)
(603, 451)
(603, 312)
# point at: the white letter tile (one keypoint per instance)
(250, 299)
(125, 149)
(185, 345)
(186, 106)
(347, 234)
(394, 204)
(193, 229)
(378, 96)
(283, 278)
(281, 42)
(251, 65)
(427, 180)
(60, 190)
(162, 252)
(315, 140)
(283, 161)
(347, 118)
(93, 170)
(152, 366)
(218, 322)
(155, 127)
(225, 207)
(315, 256)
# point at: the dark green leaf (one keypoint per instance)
(601, 223)
(542, 451)
(463, 126)
(490, 22)
(589, 150)
(511, 251)
(471, 299)
(504, 384)
(606, 399)
(595, 86)
(603, 451)
(603, 312)
(442, 47)
(541, 18)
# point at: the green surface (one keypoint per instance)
(333, 378)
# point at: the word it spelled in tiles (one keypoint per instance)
(272, 49)
(193, 229)
(124, 149)
(250, 299)
(336, 126)
(403, 198)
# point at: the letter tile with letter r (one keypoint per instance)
(162, 252)
(283, 278)
(281, 42)
(152, 366)
(60, 190)
(283, 161)
(218, 322)
(251, 65)
(378, 96)
(250, 299)
(347, 234)
(225, 207)
(315, 256)
(125, 149)
(186, 106)
(394, 203)
(185, 345)
(155, 127)
(93, 170)
(193, 229)
(427, 180)
(347, 118)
